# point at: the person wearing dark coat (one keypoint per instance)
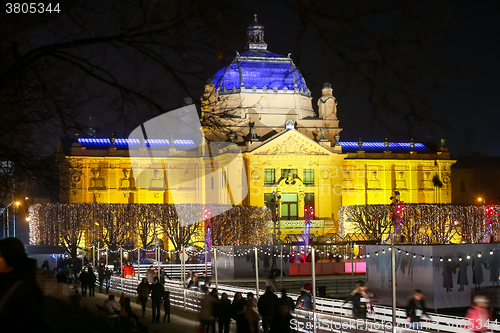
(143, 294)
(224, 313)
(61, 277)
(163, 275)
(84, 281)
(107, 279)
(166, 305)
(304, 301)
(250, 320)
(91, 280)
(101, 274)
(285, 299)
(204, 282)
(127, 316)
(76, 298)
(193, 283)
(157, 294)
(237, 308)
(268, 308)
(281, 323)
(416, 309)
(360, 301)
(21, 300)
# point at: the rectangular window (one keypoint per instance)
(308, 176)
(269, 202)
(224, 180)
(269, 177)
(289, 206)
(462, 186)
(285, 173)
(268, 197)
(309, 204)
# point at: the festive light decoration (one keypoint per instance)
(241, 225)
(441, 259)
(423, 223)
(140, 226)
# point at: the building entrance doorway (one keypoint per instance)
(289, 206)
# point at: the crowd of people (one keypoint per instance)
(19, 290)
(275, 312)
(195, 282)
(159, 296)
(416, 311)
(86, 278)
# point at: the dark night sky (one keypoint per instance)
(466, 97)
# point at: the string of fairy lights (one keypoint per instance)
(304, 249)
(420, 256)
(423, 223)
(87, 225)
(82, 225)
(239, 253)
(265, 250)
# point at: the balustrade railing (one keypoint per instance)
(330, 316)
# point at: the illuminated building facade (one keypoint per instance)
(261, 103)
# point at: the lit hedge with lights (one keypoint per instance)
(423, 223)
(139, 225)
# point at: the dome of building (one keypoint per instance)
(260, 71)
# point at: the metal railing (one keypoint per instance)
(333, 287)
(174, 270)
(330, 316)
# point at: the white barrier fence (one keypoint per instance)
(174, 270)
(330, 317)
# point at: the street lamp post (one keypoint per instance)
(7, 221)
(15, 217)
(393, 273)
(256, 274)
(313, 270)
(281, 264)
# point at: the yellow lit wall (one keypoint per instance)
(338, 178)
(372, 181)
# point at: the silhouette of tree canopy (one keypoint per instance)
(130, 60)
(126, 60)
(424, 223)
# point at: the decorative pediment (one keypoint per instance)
(290, 142)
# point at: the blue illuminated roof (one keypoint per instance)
(184, 143)
(129, 143)
(261, 70)
(94, 143)
(157, 143)
(380, 146)
(125, 143)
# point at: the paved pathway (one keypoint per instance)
(180, 321)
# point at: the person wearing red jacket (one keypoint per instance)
(128, 271)
(479, 315)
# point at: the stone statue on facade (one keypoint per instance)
(327, 104)
(322, 134)
(253, 134)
